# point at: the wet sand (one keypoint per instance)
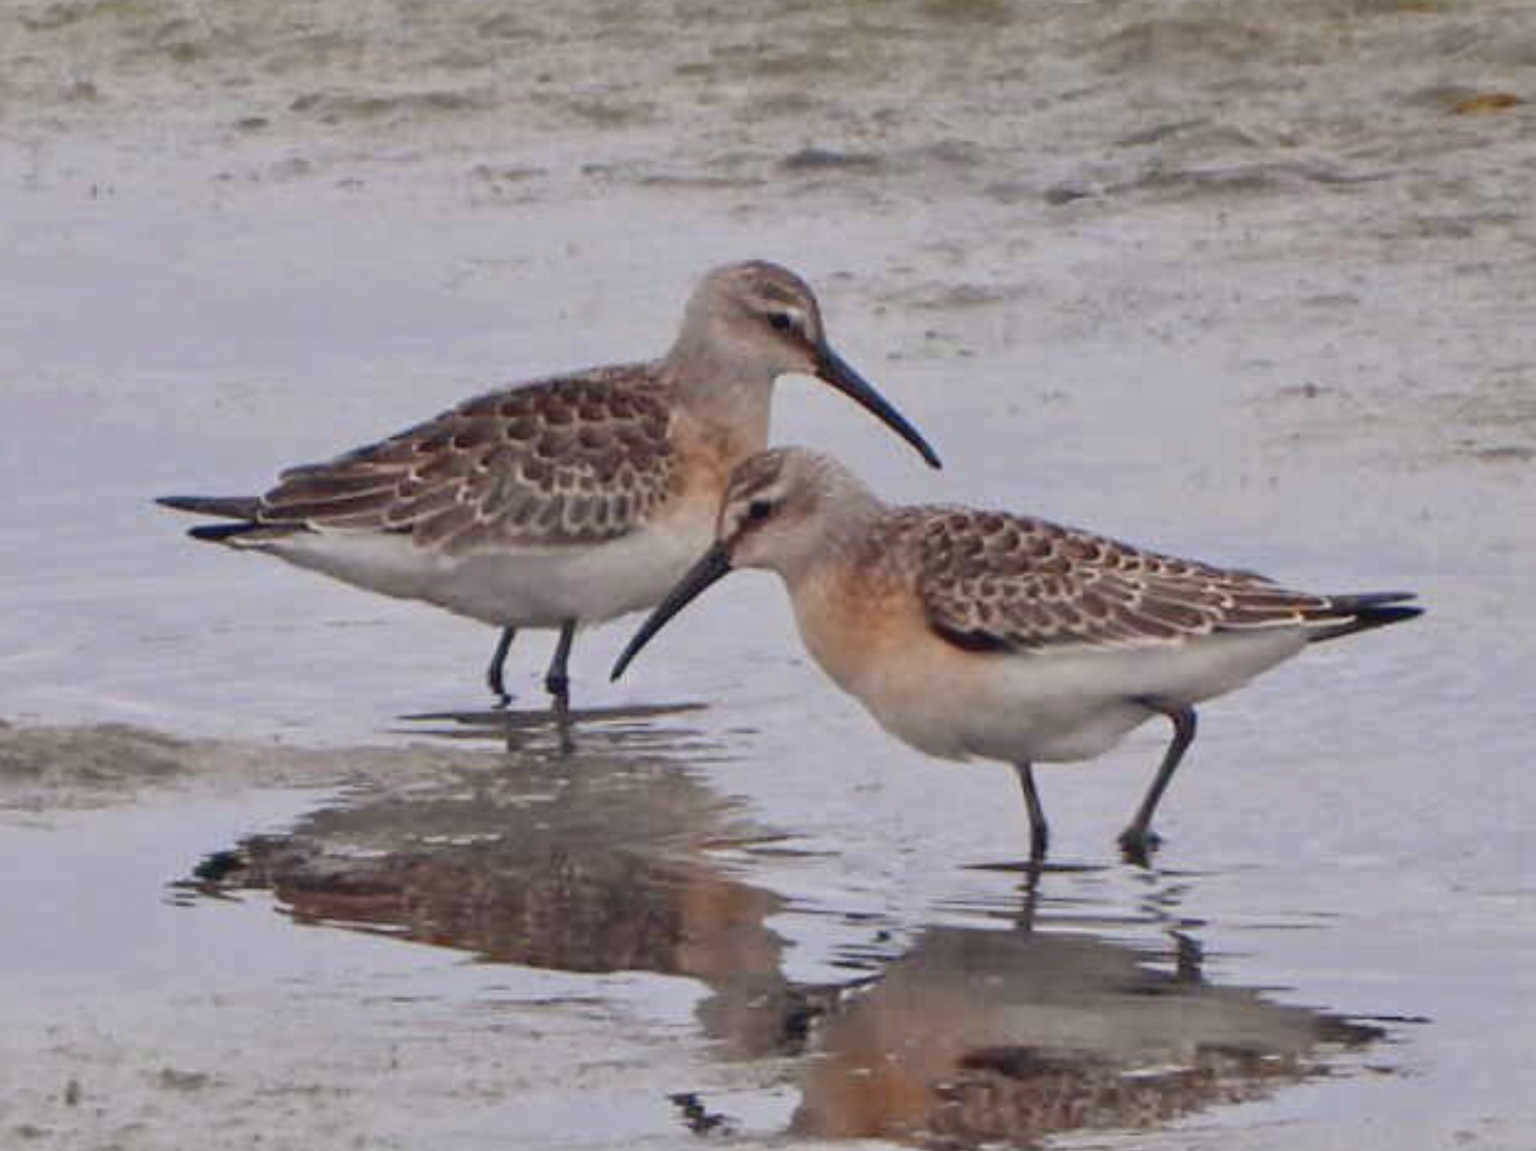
(1255, 288)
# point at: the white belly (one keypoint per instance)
(1054, 707)
(523, 588)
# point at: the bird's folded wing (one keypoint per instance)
(991, 581)
(569, 461)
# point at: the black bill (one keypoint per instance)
(712, 566)
(836, 371)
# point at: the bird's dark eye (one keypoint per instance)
(781, 321)
(759, 510)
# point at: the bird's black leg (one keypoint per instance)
(1039, 833)
(556, 682)
(1138, 840)
(493, 676)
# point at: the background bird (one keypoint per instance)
(563, 501)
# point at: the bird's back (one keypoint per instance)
(571, 460)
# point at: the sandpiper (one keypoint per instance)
(562, 501)
(974, 633)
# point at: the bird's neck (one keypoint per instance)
(842, 546)
(731, 397)
(844, 605)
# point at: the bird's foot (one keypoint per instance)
(1138, 845)
(1039, 843)
(559, 688)
(498, 688)
(560, 711)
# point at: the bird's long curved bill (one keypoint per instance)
(712, 566)
(835, 370)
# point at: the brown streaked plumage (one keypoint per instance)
(572, 460)
(992, 581)
(563, 501)
(985, 634)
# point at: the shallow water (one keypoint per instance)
(1024, 1010)
(1245, 286)
(997, 1024)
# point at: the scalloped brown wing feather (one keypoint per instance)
(992, 582)
(572, 460)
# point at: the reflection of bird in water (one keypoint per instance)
(631, 727)
(970, 633)
(595, 861)
(626, 727)
(978, 1037)
(604, 861)
(564, 501)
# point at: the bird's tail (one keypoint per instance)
(221, 507)
(242, 509)
(1349, 614)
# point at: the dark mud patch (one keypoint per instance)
(819, 160)
(81, 766)
(339, 107)
(1175, 41)
(72, 767)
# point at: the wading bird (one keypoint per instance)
(563, 501)
(982, 634)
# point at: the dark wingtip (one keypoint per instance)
(224, 507)
(973, 641)
(1372, 610)
(1382, 616)
(218, 533)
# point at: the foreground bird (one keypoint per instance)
(973, 633)
(564, 501)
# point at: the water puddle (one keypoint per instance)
(1045, 1004)
(971, 1037)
